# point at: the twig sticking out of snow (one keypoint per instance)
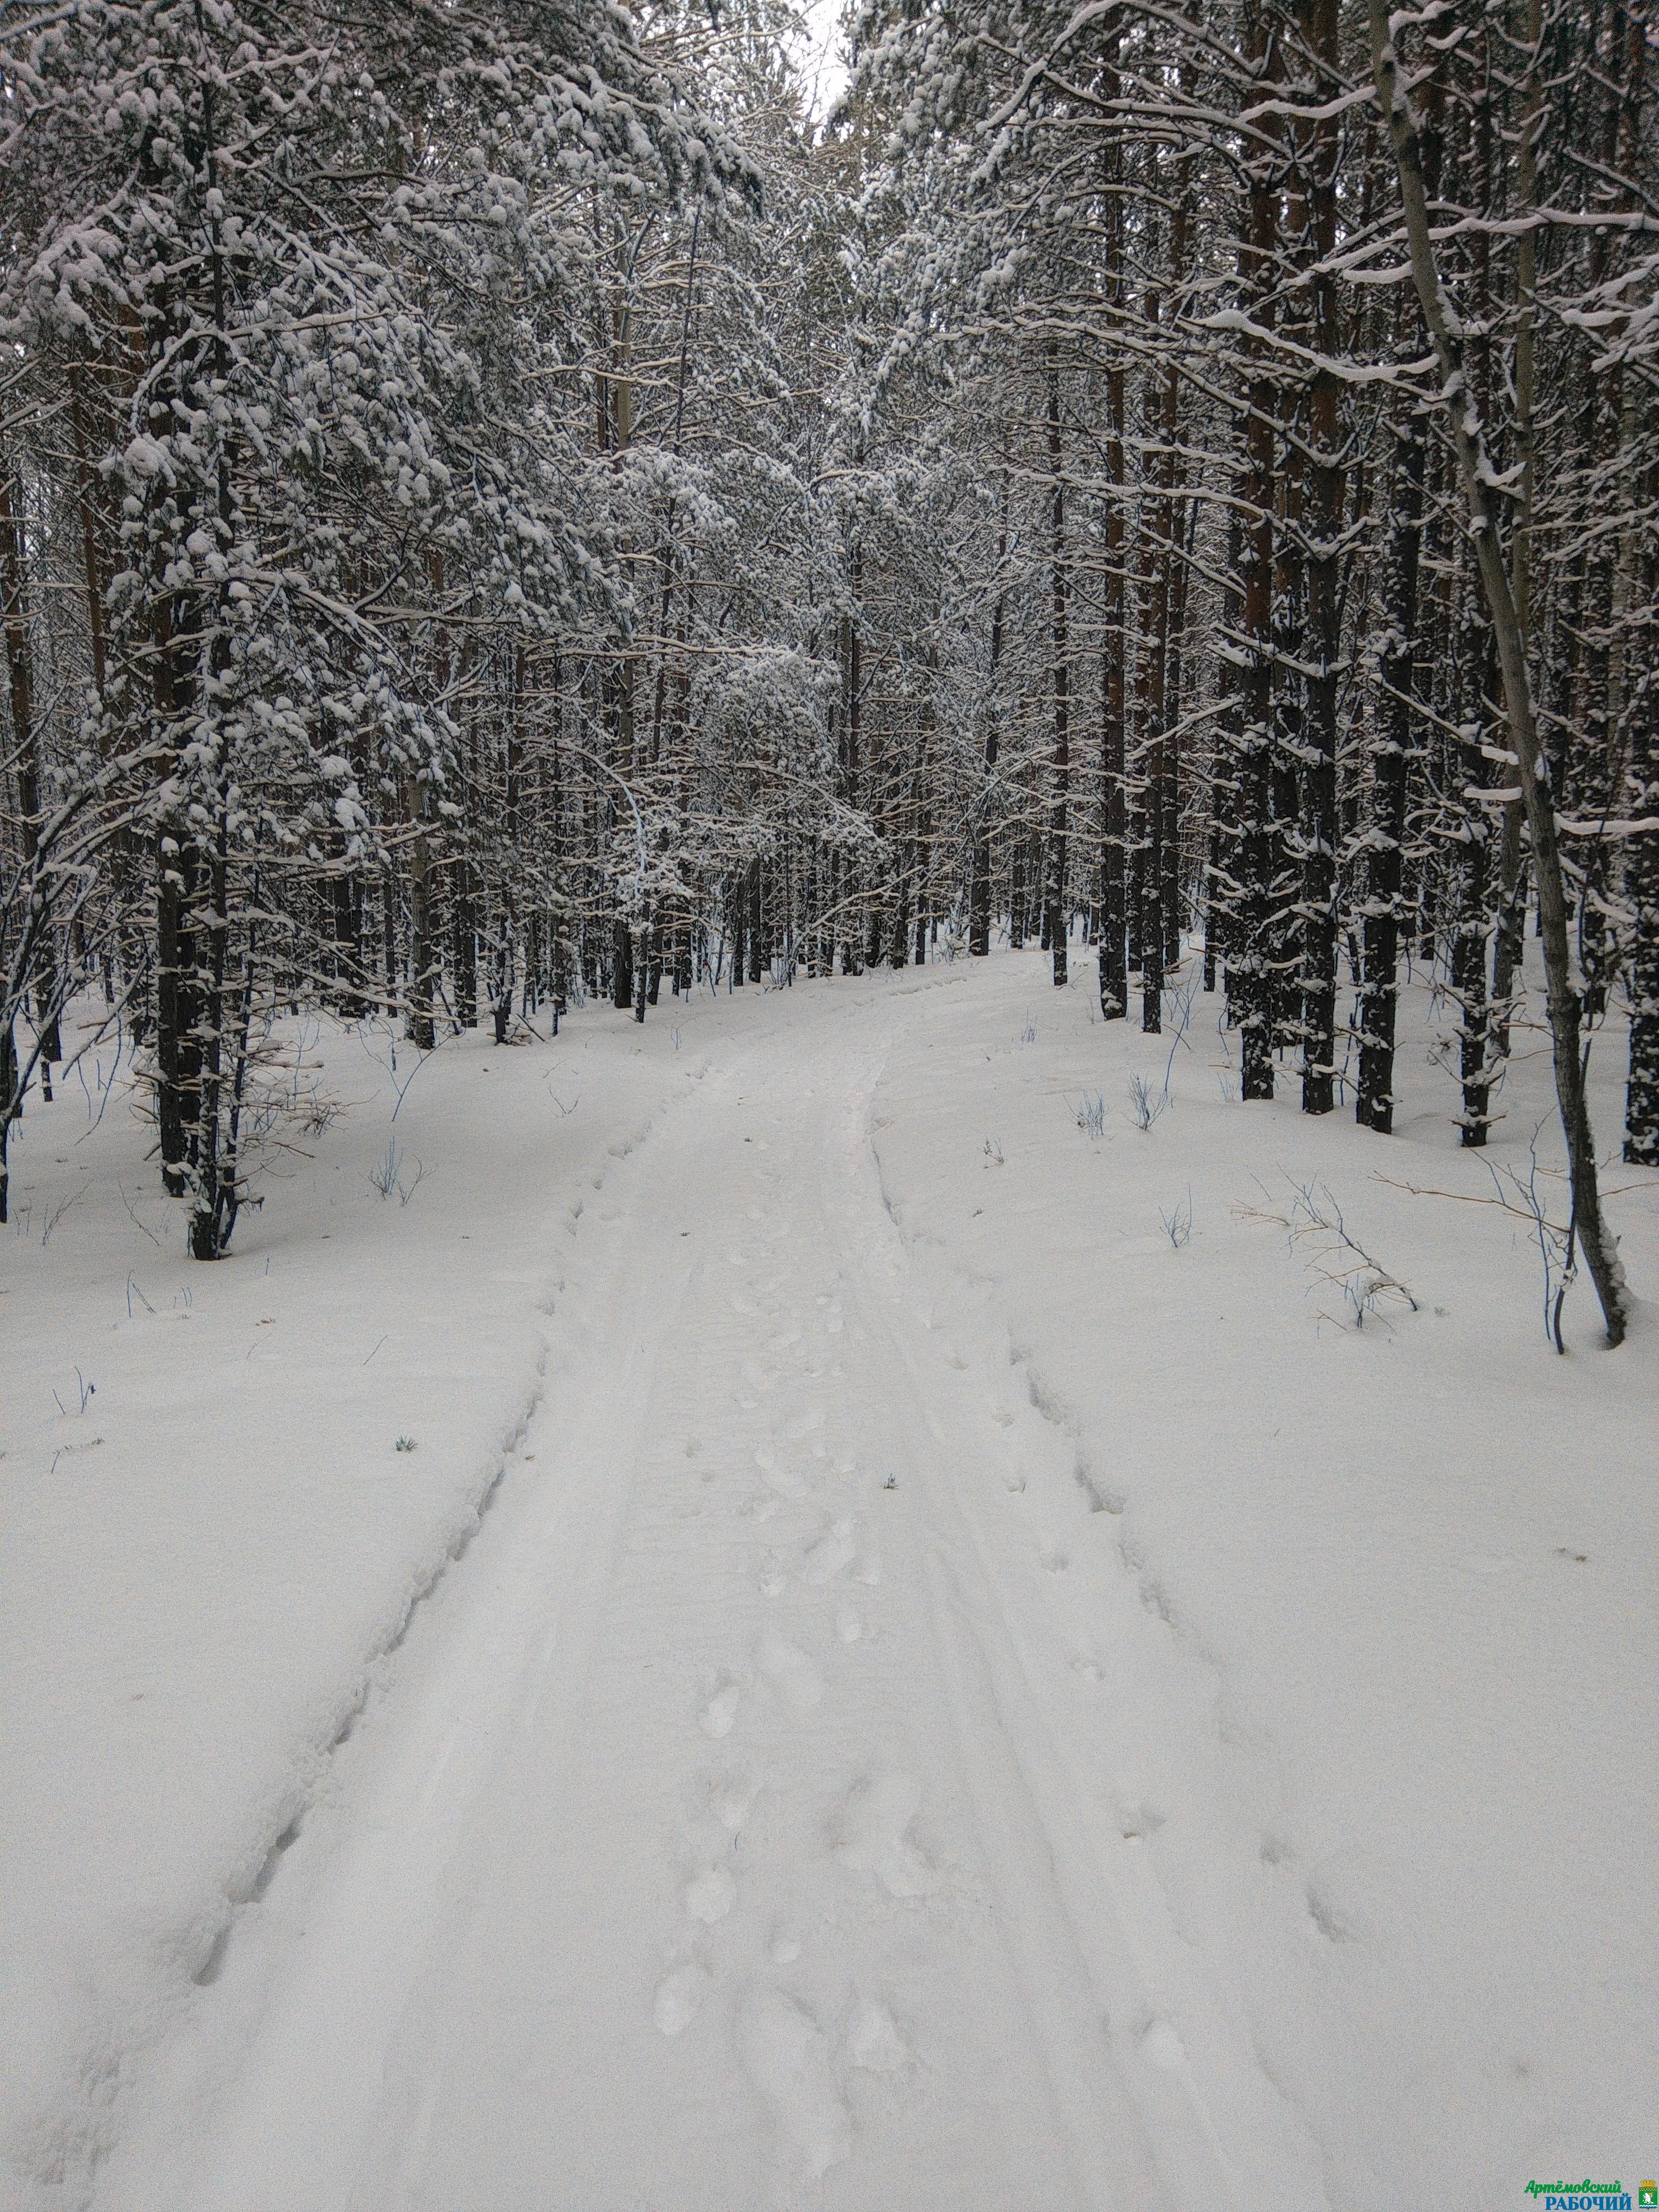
(1178, 1221)
(1143, 1104)
(1335, 1254)
(1555, 1239)
(386, 1174)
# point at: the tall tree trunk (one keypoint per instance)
(1319, 828)
(422, 936)
(40, 965)
(1251, 969)
(465, 918)
(979, 931)
(1391, 750)
(853, 956)
(1113, 956)
(1152, 668)
(1060, 802)
(1642, 887)
(1599, 1245)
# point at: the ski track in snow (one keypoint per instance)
(718, 1845)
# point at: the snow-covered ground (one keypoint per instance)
(976, 1686)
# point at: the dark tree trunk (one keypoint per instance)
(979, 931)
(464, 919)
(1055, 899)
(1017, 888)
(1391, 753)
(1114, 765)
(422, 938)
(1319, 827)
(1215, 938)
(1472, 924)
(8, 1112)
(738, 907)
(37, 923)
(1642, 886)
(1251, 971)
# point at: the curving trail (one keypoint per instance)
(715, 1845)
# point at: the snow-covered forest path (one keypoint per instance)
(714, 1846)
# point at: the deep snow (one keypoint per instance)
(961, 1696)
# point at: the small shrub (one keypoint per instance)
(387, 1173)
(1145, 1104)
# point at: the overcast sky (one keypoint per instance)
(820, 52)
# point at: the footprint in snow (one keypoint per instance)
(869, 1835)
(710, 1895)
(790, 1672)
(849, 1622)
(788, 1481)
(802, 1425)
(785, 2057)
(835, 1549)
(726, 1795)
(718, 1716)
(873, 2041)
(679, 1998)
(1162, 2047)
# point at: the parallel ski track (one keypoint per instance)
(725, 1764)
